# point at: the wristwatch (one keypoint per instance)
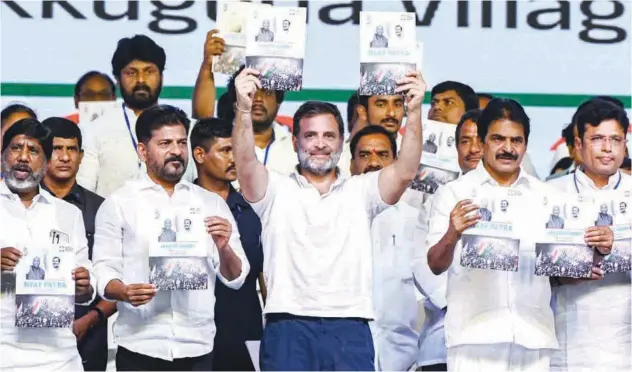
(99, 313)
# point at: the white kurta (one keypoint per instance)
(592, 319)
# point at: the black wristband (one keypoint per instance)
(100, 313)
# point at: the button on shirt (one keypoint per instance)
(238, 312)
(395, 236)
(593, 318)
(492, 306)
(37, 348)
(317, 248)
(175, 324)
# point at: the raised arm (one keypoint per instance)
(252, 175)
(204, 93)
(395, 178)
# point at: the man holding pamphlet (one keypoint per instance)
(160, 244)
(511, 326)
(597, 313)
(45, 265)
(319, 301)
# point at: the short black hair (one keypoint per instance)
(156, 117)
(472, 115)
(484, 95)
(612, 100)
(207, 129)
(225, 109)
(563, 163)
(595, 111)
(63, 128)
(139, 47)
(503, 108)
(369, 130)
(232, 92)
(467, 94)
(31, 128)
(569, 135)
(351, 109)
(15, 108)
(89, 75)
(314, 108)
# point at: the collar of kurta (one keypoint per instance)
(585, 181)
(43, 195)
(147, 183)
(303, 182)
(483, 176)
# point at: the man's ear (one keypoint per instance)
(198, 155)
(142, 152)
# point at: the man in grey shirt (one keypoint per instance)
(604, 219)
(555, 221)
(167, 235)
(265, 35)
(379, 40)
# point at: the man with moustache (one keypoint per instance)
(596, 313)
(29, 214)
(90, 324)
(165, 330)
(518, 311)
(311, 291)
(110, 145)
(237, 313)
(451, 99)
(395, 236)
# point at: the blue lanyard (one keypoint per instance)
(577, 187)
(129, 130)
(265, 157)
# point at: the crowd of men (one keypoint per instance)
(319, 223)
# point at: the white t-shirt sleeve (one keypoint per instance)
(262, 207)
(373, 200)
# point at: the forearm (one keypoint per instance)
(115, 290)
(107, 308)
(252, 175)
(409, 155)
(262, 287)
(230, 264)
(441, 255)
(204, 94)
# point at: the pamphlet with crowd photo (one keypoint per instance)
(492, 243)
(613, 211)
(560, 248)
(232, 17)
(178, 255)
(91, 111)
(44, 288)
(388, 50)
(275, 46)
(439, 161)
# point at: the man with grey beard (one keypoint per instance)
(316, 232)
(162, 329)
(32, 218)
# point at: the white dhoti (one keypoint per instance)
(497, 357)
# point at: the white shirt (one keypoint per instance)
(396, 236)
(281, 156)
(593, 318)
(317, 248)
(492, 306)
(37, 349)
(432, 348)
(175, 324)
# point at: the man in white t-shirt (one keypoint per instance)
(316, 229)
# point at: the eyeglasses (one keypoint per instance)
(599, 141)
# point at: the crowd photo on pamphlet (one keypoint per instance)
(316, 186)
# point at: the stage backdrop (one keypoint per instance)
(549, 55)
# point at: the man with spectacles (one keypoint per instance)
(593, 316)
